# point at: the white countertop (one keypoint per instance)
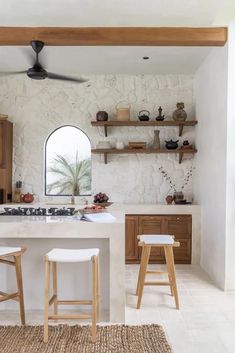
(57, 226)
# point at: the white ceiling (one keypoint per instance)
(106, 60)
(108, 12)
(101, 60)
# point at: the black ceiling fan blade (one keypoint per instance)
(65, 78)
(10, 73)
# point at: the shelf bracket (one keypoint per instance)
(181, 154)
(105, 158)
(181, 127)
(105, 130)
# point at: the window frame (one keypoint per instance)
(45, 161)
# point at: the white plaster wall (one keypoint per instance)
(230, 181)
(210, 177)
(37, 108)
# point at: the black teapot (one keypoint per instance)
(144, 115)
(171, 145)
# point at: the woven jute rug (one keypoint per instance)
(77, 339)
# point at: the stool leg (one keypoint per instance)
(46, 298)
(98, 289)
(94, 297)
(54, 274)
(170, 257)
(144, 264)
(20, 287)
(140, 268)
(168, 270)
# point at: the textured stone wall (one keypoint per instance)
(37, 108)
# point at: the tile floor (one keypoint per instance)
(204, 324)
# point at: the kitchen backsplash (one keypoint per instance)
(37, 108)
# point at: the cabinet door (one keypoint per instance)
(131, 242)
(181, 227)
(153, 225)
(2, 145)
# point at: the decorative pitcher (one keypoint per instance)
(156, 140)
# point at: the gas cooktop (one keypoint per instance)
(31, 211)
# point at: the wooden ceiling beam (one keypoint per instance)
(115, 36)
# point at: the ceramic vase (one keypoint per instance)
(179, 114)
(156, 140)
(178, 196)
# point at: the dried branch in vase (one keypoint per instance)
(167, 177)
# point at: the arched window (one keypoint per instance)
(67, 162)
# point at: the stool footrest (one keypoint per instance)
(7, 262)
(157, 272)
(74, 302)
(67, 317)
(6, 296)
(154, 283)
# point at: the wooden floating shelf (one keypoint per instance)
(137, 123)
(106, 151)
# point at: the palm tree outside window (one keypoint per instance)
(67, 162)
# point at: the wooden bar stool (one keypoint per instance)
(147, 242)
(15, 253)
(71, 255)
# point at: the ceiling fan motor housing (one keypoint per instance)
(37, 73)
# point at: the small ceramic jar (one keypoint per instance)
(119, 145)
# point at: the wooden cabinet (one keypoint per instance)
(178, 225)
(6, 159)
(132, 251)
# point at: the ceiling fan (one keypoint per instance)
(37, 72)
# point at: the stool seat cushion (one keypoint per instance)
(157, 239)
(71, 255)
(7, 250)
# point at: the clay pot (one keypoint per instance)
(179, 114)
(28, 198)
(169, 199)
(102, 116)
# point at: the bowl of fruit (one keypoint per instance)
(101, 199)
(92, 209)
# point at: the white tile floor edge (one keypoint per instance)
(205, 322)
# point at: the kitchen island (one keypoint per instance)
(42, 233)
